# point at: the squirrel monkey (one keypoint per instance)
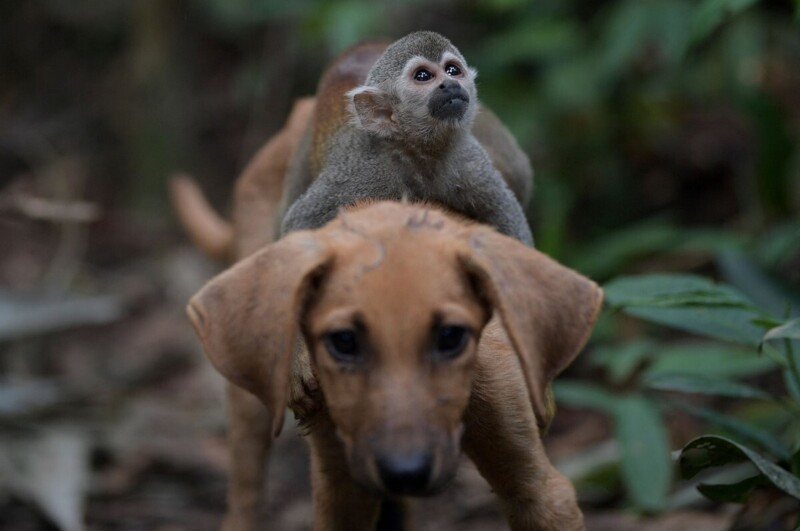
(400, 123)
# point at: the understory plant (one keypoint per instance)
(756, 433)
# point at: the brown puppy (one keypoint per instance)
(393, 301)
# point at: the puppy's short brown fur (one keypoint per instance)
(397, 416)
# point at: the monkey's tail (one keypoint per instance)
(207, 229)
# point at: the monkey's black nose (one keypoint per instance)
(450, 102)
(450, 85)
(407, 474)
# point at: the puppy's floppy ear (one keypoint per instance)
(372, 110)
(548, 310)
(247, 317)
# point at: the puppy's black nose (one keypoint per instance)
(406, 474)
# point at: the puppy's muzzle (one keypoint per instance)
(406, 474)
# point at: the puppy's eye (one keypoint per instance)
(343, 345)
(452, 70)
(451, 340)
(422, 75)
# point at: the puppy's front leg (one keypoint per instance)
(502, 439)
(249, 441)
(339, 503)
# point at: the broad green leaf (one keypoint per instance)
(671, 290)
(704, 384)
(709, 358)
(688, 302)
(711, 13)
(790, 330)
(738, 427)
(584, 395)
(735, 492)
(713, 451)
(726, 323)
(644, 447)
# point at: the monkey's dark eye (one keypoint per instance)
(343, 345)
(451, 340)
(452, 70)
(422, 75)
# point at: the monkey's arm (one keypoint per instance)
(486, 197)
(313, 209)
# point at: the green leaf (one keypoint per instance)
(583, 395)
(688, 302)
(713, 451)
(644, 447)
(671, 290)
(740, 428)
(790, 330)
(709, 358)
(735, 492)
(704, 384)
(711, 13)
(729, 324)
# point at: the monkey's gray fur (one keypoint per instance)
(393, 148)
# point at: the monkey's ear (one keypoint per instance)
(247, 317)
(372, 110)
(548, 310)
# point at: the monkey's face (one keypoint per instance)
(435, 96)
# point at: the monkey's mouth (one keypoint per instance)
(452, 106)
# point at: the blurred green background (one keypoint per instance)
(665, 137)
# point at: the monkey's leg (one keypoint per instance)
(249, 441)
(339, 503)
(502, 439)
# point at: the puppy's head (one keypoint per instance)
(392, 300)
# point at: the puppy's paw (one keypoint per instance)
(305, 396)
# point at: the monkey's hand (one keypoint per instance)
(318, 205)
(305, 397)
